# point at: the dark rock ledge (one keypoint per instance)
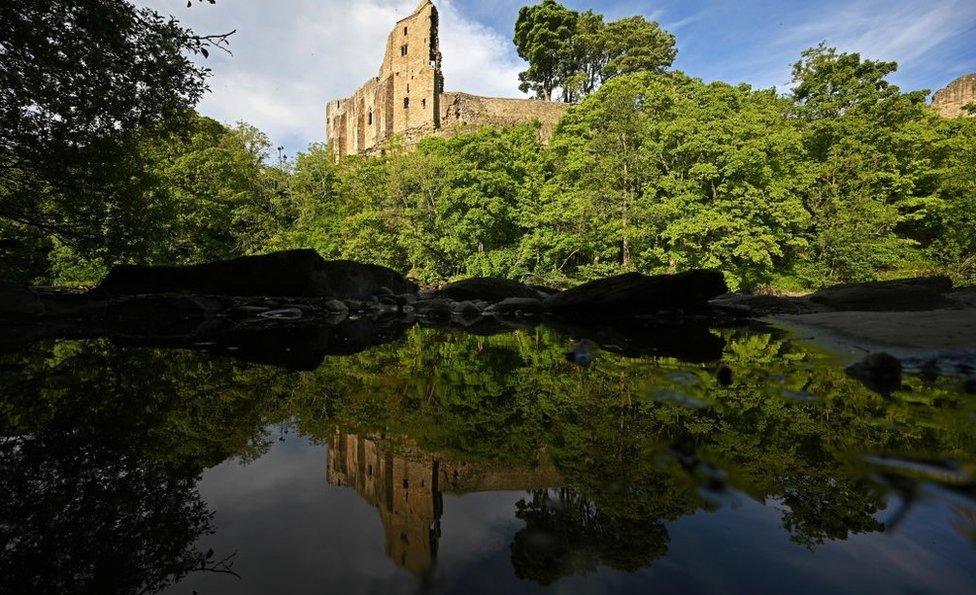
(292, 308)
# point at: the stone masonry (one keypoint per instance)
(950, 101)
(407, 100)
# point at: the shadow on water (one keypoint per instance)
(104, 440)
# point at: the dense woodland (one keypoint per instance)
(841, 177)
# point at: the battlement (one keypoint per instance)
(407, 99)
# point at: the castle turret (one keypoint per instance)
(403, 99)
(951, 100)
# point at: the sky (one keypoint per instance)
(289, 57)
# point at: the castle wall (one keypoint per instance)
(407, 98)
(402, 100)
(406, 486)
(959, 93)
(463, 110)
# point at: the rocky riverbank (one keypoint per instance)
(293, 308)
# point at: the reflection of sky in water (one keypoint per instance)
(294, 533)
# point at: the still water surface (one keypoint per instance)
(445, 461)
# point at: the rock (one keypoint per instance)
(489, 289)
(879, 372)
(517, 306)
(158, 315)
(724, 375)
(582, 353)
(282, 314)
(290, 273)
(686, 341)
(17, 301)
(433, 308)
(634, 294)
(900, 295)
(762, 305)
(337, 306)
(544, 290)
(466, 307)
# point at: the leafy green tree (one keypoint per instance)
(635, 44)
(663, 172)
(215, 195)
(583, 70)
(543, 33)
(80, 83)
(862, 144)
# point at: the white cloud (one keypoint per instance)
(291, 56)
(476, 58)
(905, 31)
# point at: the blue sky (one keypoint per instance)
(291, 56)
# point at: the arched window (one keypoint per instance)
(406, 102)
(369, 117)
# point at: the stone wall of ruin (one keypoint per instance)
(402, 100)
(407, 100)
(462, 110)
(950, 101)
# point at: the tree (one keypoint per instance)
(863, 148)
(577, 52)
(663, 172)
(80, 82)
(583, 70)
(543, 33)
(635, 44)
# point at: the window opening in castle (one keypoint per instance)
(404, 30)
(403, 50)
(369, 117)
(406, 102)
(423, 102)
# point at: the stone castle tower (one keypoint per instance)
(407, 98)
(961, 92)
(406, 485)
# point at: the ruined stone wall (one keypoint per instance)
(959, 93)
(402, 100)
(407, 99)
(406, 485)
(462, 110)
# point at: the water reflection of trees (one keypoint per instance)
(125, 433)
(566, 534)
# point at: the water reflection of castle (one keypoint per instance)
(407, 486)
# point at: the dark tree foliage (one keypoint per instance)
(566, 535)
(79, 82)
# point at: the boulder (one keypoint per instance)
(434, 308)
(879, 372)
(289, 273)
(763, 305)
(17, 301)
(686, 341)
(518, 306)
(634, 294)
(899, 295)
(488, 289)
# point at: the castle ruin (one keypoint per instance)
(407, 485)
(407, 100)
(951, 100)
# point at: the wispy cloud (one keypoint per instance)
(291, 56)
(905, 31)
